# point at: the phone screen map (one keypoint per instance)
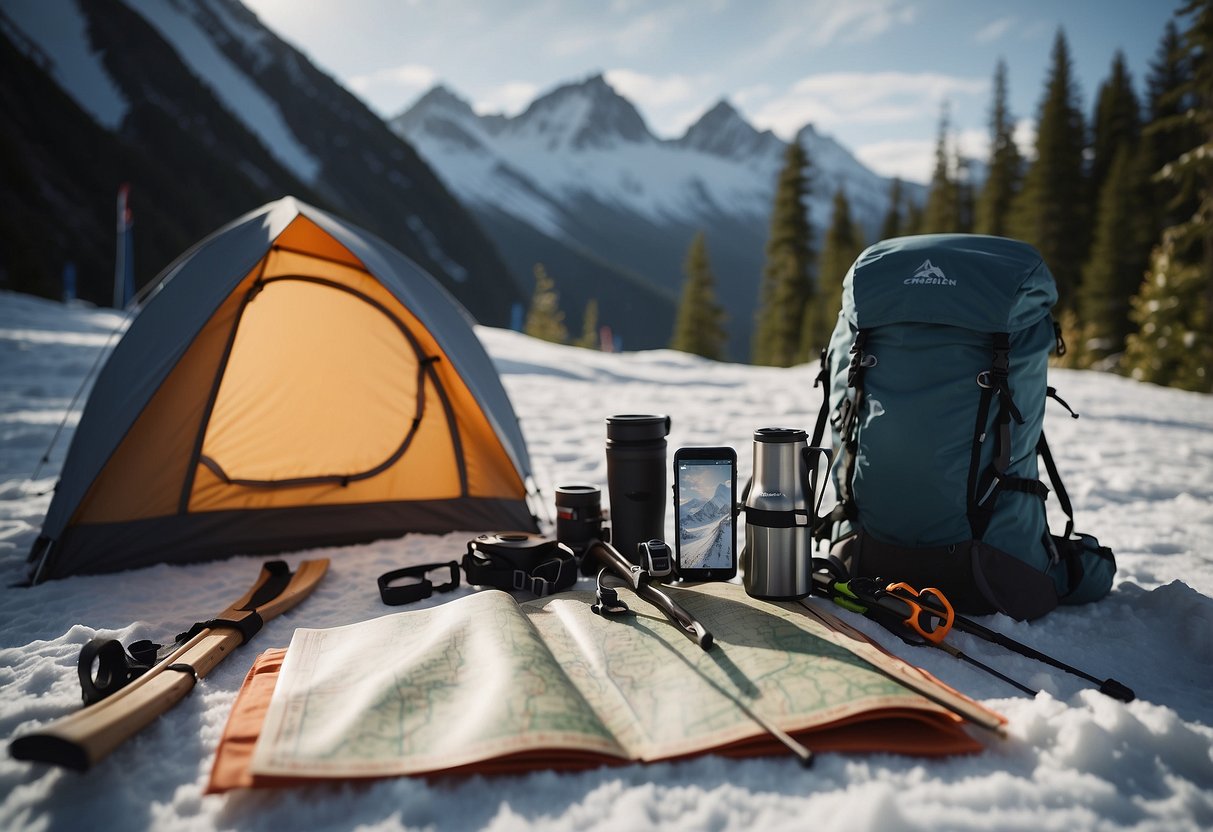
(705, 514)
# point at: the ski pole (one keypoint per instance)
(893, 597)
(617, 571)
(905, 613)
(952, 651)
(1108, 687)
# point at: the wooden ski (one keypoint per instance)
(84, 738)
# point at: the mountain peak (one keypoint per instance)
(444, 114)
(581, 115)
(441, 97)
(722, 131)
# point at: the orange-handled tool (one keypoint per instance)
(925, 620)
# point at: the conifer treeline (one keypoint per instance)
(1122, 212)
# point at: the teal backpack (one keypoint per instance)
(935, 392)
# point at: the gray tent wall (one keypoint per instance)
(186, 295)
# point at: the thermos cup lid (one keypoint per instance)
(632, 427)
(780, 435)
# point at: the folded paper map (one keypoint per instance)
(484, 684)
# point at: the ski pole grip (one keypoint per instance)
(1114, 689)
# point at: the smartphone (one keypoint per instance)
(705, 494)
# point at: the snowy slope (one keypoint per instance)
(62, 39)
(180, 25)
(1139, 466)
(184, 83)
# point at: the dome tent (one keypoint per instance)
(292, 382)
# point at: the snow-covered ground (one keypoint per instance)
(1139, 466)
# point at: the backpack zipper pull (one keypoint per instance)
(1061, 342)
(1051, 392)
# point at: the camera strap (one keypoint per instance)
(512, 561)
(535, 565)
(419, 589)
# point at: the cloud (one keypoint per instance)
(407, 77)
(852, 22)
(826, 22)
(836, 99)
(634, 34)
(651, 90)
(973, 143)
(914, 159)
(385, 90)
(509, 98)
(994, 30)
(670, 103)
(911, 159)
(1025, 137)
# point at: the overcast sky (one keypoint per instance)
(872, 73)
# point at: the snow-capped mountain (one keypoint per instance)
(207, 114)
(696, 513)
(722, 131)
(578, 175)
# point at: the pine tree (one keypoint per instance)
(1051, 209)
(1118, 260)
(590, 338)
(913, 221)
(699, 328)
(1117, 121)
(1174, 309)
(940, 215)
(841, 246)
(1005, 173)
(544, 319)
(1173, 345)
(893, 224)
(787, 285)
(1169, 133)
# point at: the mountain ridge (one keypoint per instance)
(581, 169)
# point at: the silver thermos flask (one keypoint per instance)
(778, 553)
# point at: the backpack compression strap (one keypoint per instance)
(846, 422)
(984, 489)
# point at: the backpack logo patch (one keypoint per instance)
(929, 273)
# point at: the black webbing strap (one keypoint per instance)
(848, 420)
(978, 520)
(275, 584)
(419, 589)
(248, 625)
(787, 519)
(1059, 488)
(823, 413)
(984, 488)
(540, 571)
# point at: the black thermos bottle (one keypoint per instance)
(636, 480)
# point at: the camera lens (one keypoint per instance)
(578, 515)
